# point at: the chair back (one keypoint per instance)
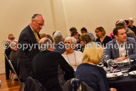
(33, 85)
(76, 85)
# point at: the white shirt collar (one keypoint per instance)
(122, 50)
(123, 44)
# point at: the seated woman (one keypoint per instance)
(101, 34)
(88, 72)
(58, 40)
(85, 38)
(74, 58)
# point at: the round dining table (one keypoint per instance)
(124, 83)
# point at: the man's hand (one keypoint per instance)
(113, 89)
(121, 58)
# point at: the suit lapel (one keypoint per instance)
(116, 48)
(128, 48)
(32, 35)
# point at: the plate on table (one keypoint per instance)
(132, 73)
(114, 76)
(124, 62)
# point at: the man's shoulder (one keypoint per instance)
(130, 39)
(50, 53)
(90, 33)
(130, 31)
(112, 41)
(26, 29)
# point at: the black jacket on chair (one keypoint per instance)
(33, 85)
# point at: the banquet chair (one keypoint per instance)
(14, 72)
(75, 84)
(33, 85)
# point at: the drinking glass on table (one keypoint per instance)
(106, 57)
(110, 63)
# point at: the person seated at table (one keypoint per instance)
(50, 68)
(84, 30)
(58, 40)
(13, 54)
(131, 25)
(85, 38)
(76, 36)
(74, 58)
(72, 29)
(102, 37)
(129, 32)
(7, 53)
(93, 75)
(123, 23)
(122, 47)
(74, 33)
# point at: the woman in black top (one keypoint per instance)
(102, 37)
(85, 38)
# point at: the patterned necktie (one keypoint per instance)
(37, 38)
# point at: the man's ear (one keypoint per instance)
(115, 36)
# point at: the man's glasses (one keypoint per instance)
(66, 42)
(40, 24)
(12, 38)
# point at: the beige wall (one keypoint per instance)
(61, 15)
(94, 13)
(16, 14)
(58, 16)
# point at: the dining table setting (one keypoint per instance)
(121, 74)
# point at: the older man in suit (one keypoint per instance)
(28, 45)
(122, 47)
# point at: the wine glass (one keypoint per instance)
(106, 57)
(110, 63)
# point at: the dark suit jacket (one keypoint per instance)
(26, 51)
(51, 70)
(112, 49)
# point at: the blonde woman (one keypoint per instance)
(88, 72)
(74, 58)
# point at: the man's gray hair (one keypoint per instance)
(120, 21)
(74, 41)
(35, 15)
(45, 44)
(57, 37)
